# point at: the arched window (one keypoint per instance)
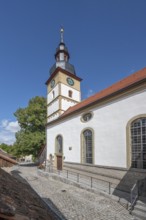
(87, 146)
(138, 143)
(59, 144)
(70, 93)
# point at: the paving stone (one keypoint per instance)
(74, 203)
(18, 201)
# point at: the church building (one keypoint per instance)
(106, 129)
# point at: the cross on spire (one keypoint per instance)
(61, 33)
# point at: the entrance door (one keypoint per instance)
(59, 162)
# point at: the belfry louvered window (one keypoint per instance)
(87, 146)
(138, 143)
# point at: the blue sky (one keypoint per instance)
(106, 40)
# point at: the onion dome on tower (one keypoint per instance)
(62, 57)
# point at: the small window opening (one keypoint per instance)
(65, 58)
(70, 93)
(86, 117)
(53, 94)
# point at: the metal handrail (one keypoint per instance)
(136, 191)
(82, 178)
(134, 195)
(94, 183)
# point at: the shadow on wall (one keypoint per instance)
(131, 185)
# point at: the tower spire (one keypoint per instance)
(62, 56)
(61, 34)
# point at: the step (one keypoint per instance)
(93, 171)
(139, 214)
(115, 176)
(140, 208)
(142, 199)
(116, 183)
(141, 203)
(136, 218)
(93, 174)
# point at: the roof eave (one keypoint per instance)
(63, 71)
(98, 101)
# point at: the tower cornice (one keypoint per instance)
(59, 69)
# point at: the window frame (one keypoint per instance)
(138, 143)
(83, 146)
(57, 147)
(70, 93)
(84, 114)
(128, 141)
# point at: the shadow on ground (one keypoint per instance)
(134, 178)
(17, 194)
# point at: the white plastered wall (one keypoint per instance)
(53, 107)
(53, 117)
(50, 94)
(65, 104)
(109, 124)
(75, 93)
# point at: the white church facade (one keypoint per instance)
(106, 129)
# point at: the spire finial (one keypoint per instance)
(61, 32)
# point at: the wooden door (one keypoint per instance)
(59, 162)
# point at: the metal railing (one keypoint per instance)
(134, 195)
(142, 187)
(85, 180)
(99, 184)
(137, 190)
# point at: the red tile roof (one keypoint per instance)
(117, 87)
(5, 158)
(5, 153)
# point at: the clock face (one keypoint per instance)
(52, 83)
(70, 81)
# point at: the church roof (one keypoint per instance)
(120, 86)
(2, 152)
(5, 160)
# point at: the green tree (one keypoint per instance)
(32, 121)
(7, 148)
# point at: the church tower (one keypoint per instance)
(63, 86)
